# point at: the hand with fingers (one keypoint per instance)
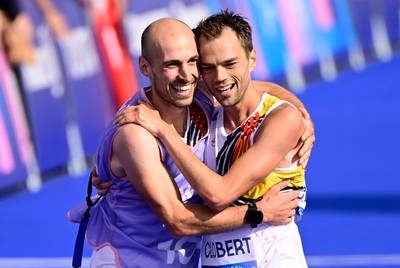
(101, 186)
(144, 115)
(308, 139)
(279, 207)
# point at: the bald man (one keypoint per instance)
(151, 216)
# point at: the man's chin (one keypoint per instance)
(183, 102)
(228, 102)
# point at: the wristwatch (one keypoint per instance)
(254, 215)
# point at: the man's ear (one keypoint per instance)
(144, 66)
(252, 59)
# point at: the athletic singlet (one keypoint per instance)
(125, 222)
(224, 149)
(251, 247)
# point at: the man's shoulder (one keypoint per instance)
(283, 117)
(133, 135)
(287, 110)
(133, 146)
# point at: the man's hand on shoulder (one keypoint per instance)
(142, 114)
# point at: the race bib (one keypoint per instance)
(232, 249)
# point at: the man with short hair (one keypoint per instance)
(253, 144)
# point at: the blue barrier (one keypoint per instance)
(85, 81)
(391, 15)
(44, 92)
(66, 91)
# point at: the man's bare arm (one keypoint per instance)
(308, 137)
(137, 157)
(281, 134)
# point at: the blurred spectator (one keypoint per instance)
(17, 32)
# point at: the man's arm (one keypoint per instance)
(279, 134)
(308, 137)
(136, 155)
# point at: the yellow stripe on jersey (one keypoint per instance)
(267, 104)
(295, 175)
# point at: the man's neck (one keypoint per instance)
(235, 115)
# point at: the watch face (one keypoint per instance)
(254, 216)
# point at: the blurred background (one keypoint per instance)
(66, 65)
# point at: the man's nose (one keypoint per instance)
(220, 74)
(188, 71)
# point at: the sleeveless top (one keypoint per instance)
(246, 246)
(223, 149)
(125, 222)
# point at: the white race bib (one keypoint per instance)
(232, 249)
